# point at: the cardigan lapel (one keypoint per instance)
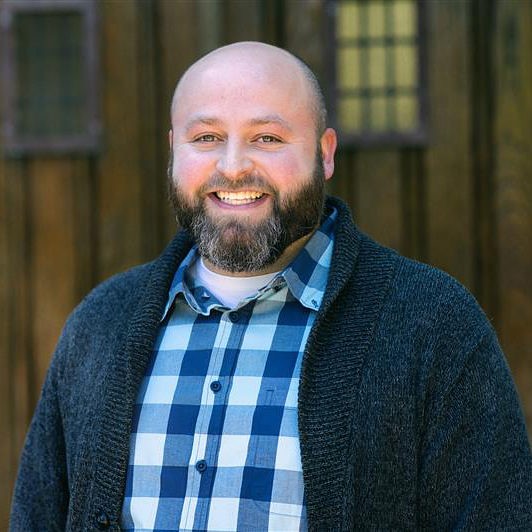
(360, 276)
(127, 368)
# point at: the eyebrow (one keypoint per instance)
(259, 121)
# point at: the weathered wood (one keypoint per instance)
(413, 204)
(16, 359)
(242, 20)
(485, 260)
(5, 369)
(379, 195)
(513, 171)
(448, 161)
(119, 176)
(344, 181)
(304, 30)
(53, 251)
(152, 134)
(83, 220)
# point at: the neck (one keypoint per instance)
(288, 255)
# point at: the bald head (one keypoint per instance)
(271, 65)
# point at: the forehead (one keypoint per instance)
(237, 88)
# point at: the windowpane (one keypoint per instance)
(405, 18)
(50, 78)
(406, 66)
(348, 20)
(349, 68)
(406, 112)
(350, 114)
(377, 68)
(376, 19)
(49, 63)
(379, 115)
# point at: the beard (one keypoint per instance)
(237, 245)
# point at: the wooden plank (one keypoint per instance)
(448, 161)
(5, 377)
(482, 147)
(151, 132)
(16, 347)
(83, 221)
(242, 20)
(53, 256)
(304, 30)
(413, 200)
(119, 170)
(379, 195)
(344, 181)
(513, 134)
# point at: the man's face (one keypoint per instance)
(247, 179)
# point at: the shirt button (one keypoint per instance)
(201, 466)
(216, 386)
(234, 316)
(102, 521)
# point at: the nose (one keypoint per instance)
(234, 161)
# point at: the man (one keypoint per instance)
(274, 368)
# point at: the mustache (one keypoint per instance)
(248, 181)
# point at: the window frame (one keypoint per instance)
(412, 138)
(14, 143)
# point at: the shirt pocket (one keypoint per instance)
(274, 477)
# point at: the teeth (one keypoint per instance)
(240, 197)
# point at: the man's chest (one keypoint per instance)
(215, 443)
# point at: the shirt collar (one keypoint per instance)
(306, 277)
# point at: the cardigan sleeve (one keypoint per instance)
(476, 464)
(40, 499)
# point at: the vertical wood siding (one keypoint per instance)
(463, 203)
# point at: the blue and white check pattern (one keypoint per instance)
(214, 443)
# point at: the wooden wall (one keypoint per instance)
(463, 203)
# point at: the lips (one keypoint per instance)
(243, 197)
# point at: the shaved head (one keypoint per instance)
(256, 59)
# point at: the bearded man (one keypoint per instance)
(274, 369)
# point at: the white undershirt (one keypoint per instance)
(228, 290)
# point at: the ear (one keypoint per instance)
(171, 138)
(328, 143)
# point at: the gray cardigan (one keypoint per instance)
(408, 416)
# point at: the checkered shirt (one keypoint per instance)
(214, 443)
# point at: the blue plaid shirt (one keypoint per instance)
(214, 443)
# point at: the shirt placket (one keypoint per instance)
(209, 427)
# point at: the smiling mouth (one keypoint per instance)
(244, 197)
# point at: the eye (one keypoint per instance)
(207, 138)
(268, 139)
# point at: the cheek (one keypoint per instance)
(190, 171)
(289, 173)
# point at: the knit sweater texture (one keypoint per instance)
(408, 416)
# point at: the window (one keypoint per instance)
(377, 85)
(49, 68)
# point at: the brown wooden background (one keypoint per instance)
(463, 203)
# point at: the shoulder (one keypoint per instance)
(413, 293)
(430, 319)
(116, 291)
(105, 308)
(436, 295)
